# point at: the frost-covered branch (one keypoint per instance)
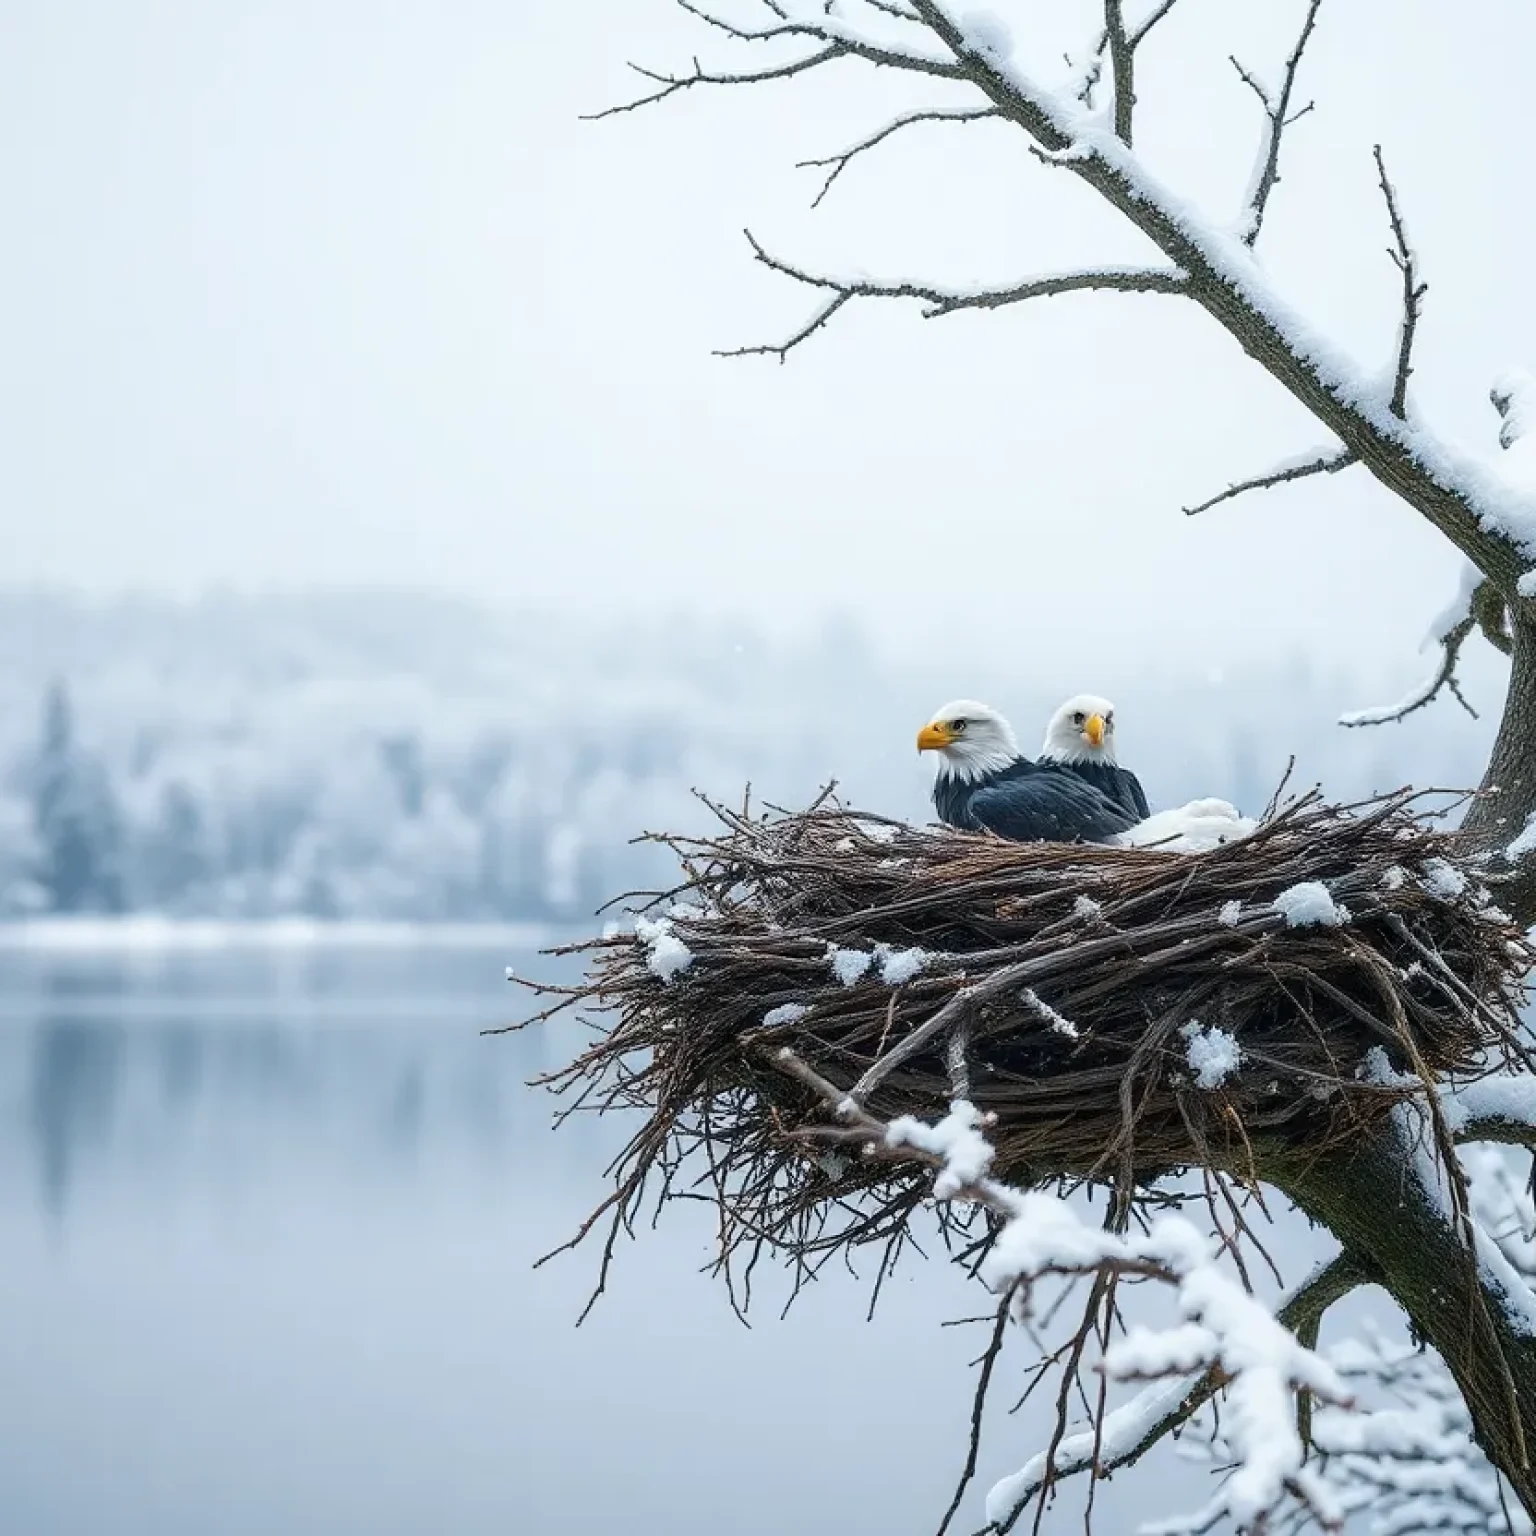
(836, 164)
(1415, 1462)
(1227, 1341)
(1489, 520)
(1444, 676)
(1277, 118)
(1130, 1431)
(1498, 1108)
(1328, 462)
(1403, 258)
(1449, 631)
(947, 301)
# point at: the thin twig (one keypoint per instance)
(1278, 117)
(1329, 463)
(1404, 259)
(840, 162)
(1444, 676)
(939, 301)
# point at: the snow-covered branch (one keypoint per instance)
(946, 301)
(1226, 1341)
(1449, 631)
(1412, 1463)
(1278, 116)
(1128, 1432)
(1327, 462)
(1498, 1108)
(1491, 520)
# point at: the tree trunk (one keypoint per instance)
(1372, 1201)
(1510, 782)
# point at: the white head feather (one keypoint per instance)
(971, 740)
(1069, 736)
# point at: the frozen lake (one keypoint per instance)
(268, 1214)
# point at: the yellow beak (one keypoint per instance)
(1094, 730)
(933, 738)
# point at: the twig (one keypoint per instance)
(839, 162)
(1413, 291)
(1329, 463)
(1444, 676)
(978, 1406)
(1278, 117)
(1157, 14)
(670, 85)
(940, 301)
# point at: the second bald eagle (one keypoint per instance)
(1081, 736)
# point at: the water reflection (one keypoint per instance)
(268, 1224)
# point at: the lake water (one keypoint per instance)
(267, 1222)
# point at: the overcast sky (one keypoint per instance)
(300, 293)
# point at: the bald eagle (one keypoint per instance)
(1081, 737)
(984, 782)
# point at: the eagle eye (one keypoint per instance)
(957, 726)
(1078, 718)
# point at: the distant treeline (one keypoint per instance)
(395, 759)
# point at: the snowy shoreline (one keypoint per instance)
(147, 933)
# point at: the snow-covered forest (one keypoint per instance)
(408, 757)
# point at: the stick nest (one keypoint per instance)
(1070, 992)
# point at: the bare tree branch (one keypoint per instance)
(1413, 291)
(839, 162)
(1123, 65)
(1444, 676)
(836, 44)
(1323, 464)
(670, 85)
(1278, 117)
(940, 301)
(1152, 20)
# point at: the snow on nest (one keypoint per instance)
(1443, 880)
(896, 965)
(899, 965)
(1062, 1025)
(667, 954)
(785, 1013)
(848, 965)
(1308, 905)
(1213, 1054)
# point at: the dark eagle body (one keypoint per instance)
(1115, 783)
(1030, 803)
